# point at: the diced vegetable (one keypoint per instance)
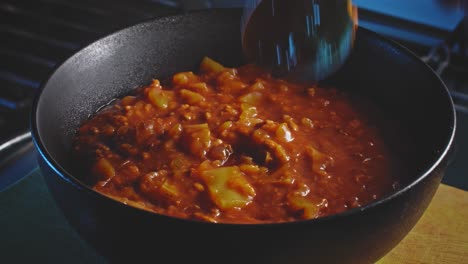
(209, 65)
(225, 126)
(248, 111)
(183, 78)
(196, 127)
(228, 187)
(251, 122)
(300, 203)
(191, 97)
(257, 86)
(200, 87)
(169, 191)
(320, 161)
(231, 86)
(104, 169)
(291, 123)
(226, 77)
(278, 150)
(283, 133)
(197, 138)
(247, 125)
(248, 120)
(260, 136)
(252, 98)
(158, 98)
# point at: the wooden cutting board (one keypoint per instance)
(440, 236)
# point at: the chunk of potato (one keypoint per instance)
(261, 137)
(158, 98)
(200, 87)
(253, 98)
(197, 138)
(225, 126)
(191, 97)
(291, 123)
(210, 65)
(283, 133)
(278, 151)
(183, 78)
(104, 169)
(170, 191)
(248, 120)
(248, 111)
(228, 187)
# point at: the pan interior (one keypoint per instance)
(404, 87)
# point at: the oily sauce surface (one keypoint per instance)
(236, 146)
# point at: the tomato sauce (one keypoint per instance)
(237, 146)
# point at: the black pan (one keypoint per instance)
(404, 87)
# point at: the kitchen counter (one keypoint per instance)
(440, 236)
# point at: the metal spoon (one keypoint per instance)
(307, 40)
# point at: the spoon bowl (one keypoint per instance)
(303, 40)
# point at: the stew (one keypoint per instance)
(235, 145)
